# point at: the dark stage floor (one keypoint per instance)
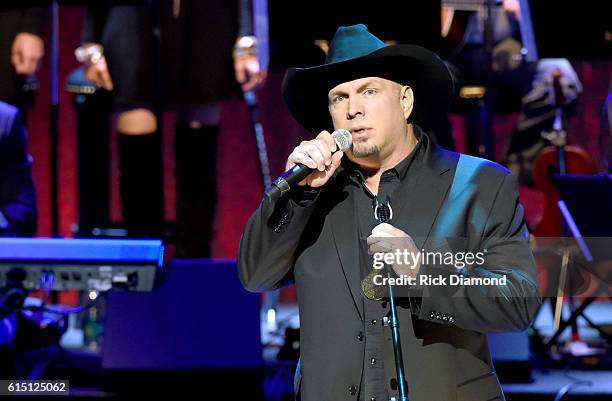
(581, 378)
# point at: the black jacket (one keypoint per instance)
(17, 196)
(443, 335)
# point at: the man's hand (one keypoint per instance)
(98, 73)
(317, 154)
(26, 53)
(387, 239)
(248, 72)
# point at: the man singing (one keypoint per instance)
(322, 235)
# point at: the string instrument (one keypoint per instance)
(559, 158)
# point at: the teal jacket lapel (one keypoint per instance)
(426, 198)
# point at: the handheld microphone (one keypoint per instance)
(297, 173)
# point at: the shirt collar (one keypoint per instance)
(400, 170)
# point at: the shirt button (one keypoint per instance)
(373, 399)
(374, 321)
(360, 336)
(373, 361)
(352, 390)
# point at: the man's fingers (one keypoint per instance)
(336, 159)
(309, 154)
(328, 146)
(326, 137)
(387, 230)
(383, 227)
(383, 233)
(314, 152)
(302, 157)
(371, 240)
(380, 246)
(323, 148)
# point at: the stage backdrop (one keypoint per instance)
(239, 185)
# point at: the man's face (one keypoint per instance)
(374, 110)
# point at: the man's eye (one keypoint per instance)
(370, 92)
(338, 98)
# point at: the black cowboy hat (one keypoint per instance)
(355, 53)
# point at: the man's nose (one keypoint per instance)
(355, 108)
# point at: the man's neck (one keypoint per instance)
(373, 169)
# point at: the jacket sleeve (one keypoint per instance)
(491, 308)
(17, 196)
(269, 242)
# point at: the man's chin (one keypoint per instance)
(360, 152)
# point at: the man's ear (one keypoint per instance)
(407, 100)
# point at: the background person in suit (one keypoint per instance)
(17, 211)
(17, 196)
(322, 236)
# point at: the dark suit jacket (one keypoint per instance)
(17, 196)
(443, 336)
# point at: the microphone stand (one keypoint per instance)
(271, 299)
(395, 334)
(397, 344)
(260, 29)
(54, 118)
(558, 137)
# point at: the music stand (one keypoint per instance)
(588, 197)
(585, 206)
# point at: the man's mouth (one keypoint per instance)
(359, 130)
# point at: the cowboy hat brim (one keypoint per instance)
(305, 90)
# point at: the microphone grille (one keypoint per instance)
(343, 138)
